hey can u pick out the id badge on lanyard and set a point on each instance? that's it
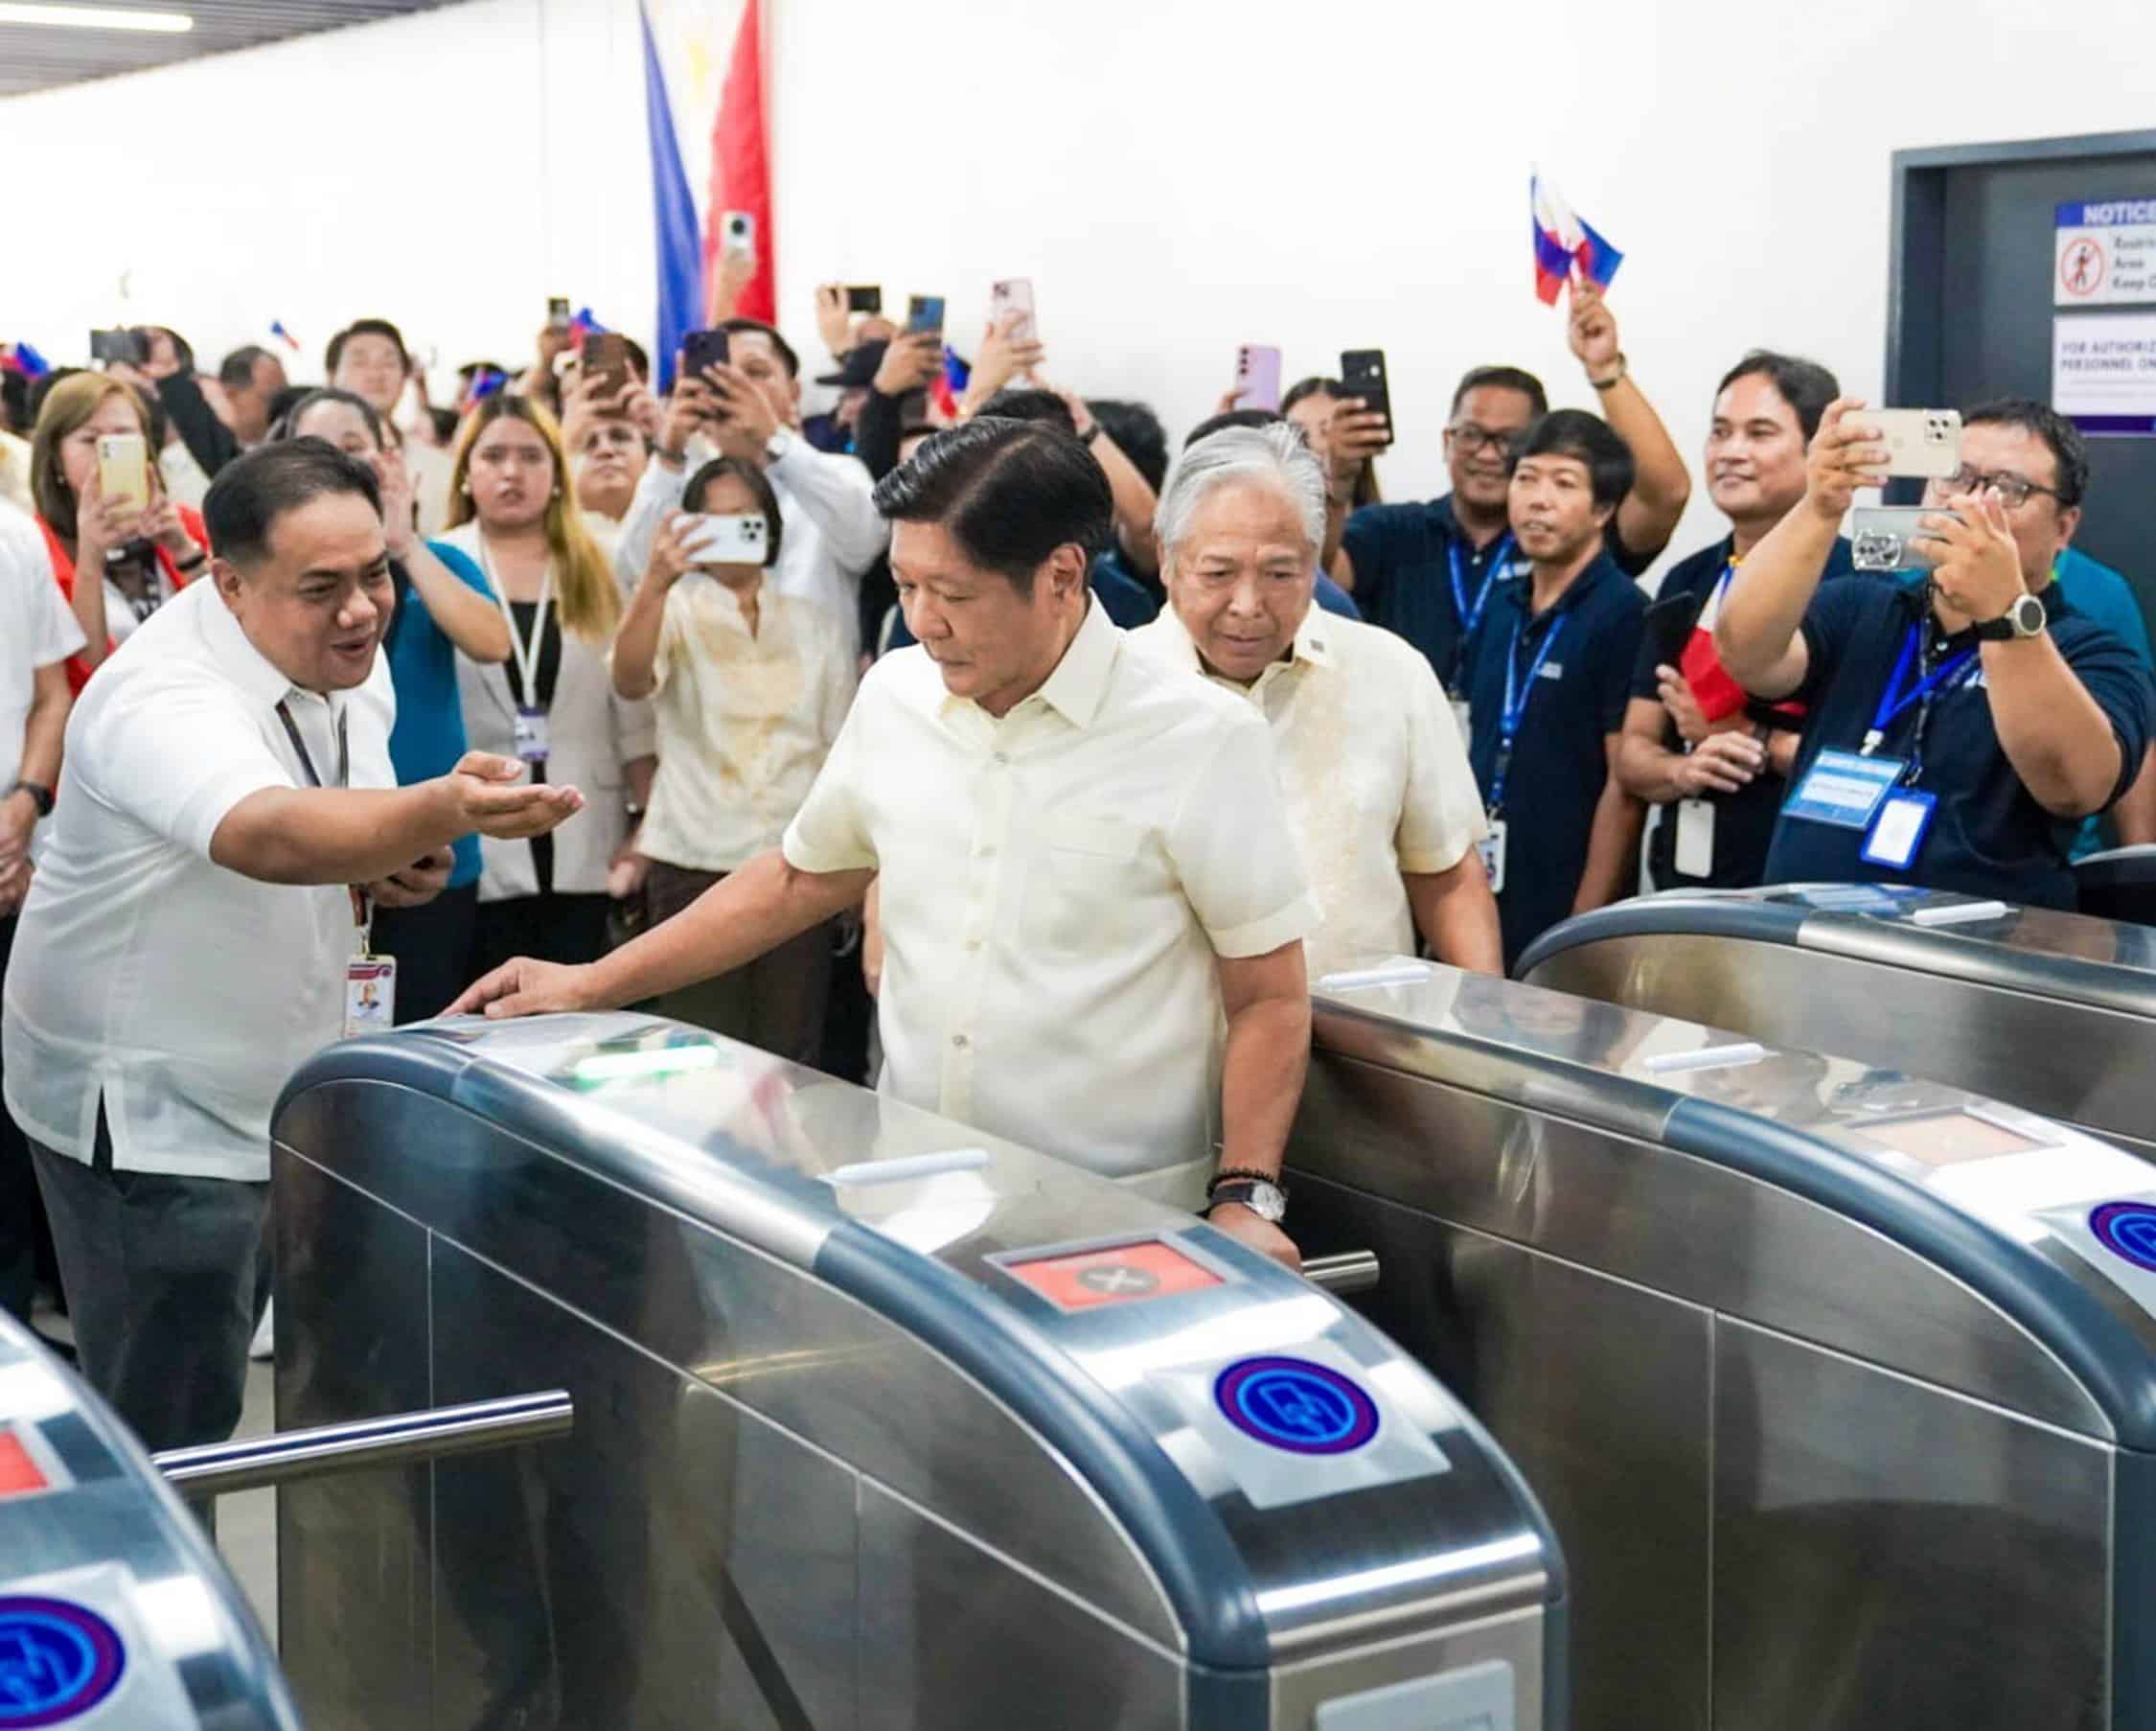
(531, 734)
(370, 982)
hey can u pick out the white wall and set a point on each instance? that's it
(450, 170)
(1176, 176)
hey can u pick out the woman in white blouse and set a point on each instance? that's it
(551, 702)
(751, 689)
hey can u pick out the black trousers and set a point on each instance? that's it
(164, 1285)
(26, 1240)
(550, 927)
(437, 951)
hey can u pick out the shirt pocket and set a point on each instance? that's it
(1086, 884)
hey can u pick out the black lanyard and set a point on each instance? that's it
(299, 745)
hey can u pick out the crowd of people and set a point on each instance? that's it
(967, 736)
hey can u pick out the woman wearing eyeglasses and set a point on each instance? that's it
(1965, 717)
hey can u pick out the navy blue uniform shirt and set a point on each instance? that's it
(1988, 836)
(1744, 821)
(1404, 579)
(1560, 759)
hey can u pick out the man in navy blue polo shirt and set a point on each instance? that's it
(1695, 743)
(1961, 723)
(1425, 570)
(1549, 669)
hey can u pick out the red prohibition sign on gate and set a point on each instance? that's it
(2080, 266)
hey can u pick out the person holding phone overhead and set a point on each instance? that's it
(552, 702)
(1426, 571)
(108, 515)
(750, 407)
(1964, 716)
(1716, 761)
(749, 688)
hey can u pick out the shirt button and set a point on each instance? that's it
(960, 1041)
(1002, 757)
(972, 943)
(988, 850)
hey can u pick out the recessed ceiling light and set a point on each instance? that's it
(97, 18)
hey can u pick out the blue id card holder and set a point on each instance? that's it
(1898, 831)
(1843, 789)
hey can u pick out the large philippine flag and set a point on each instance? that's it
(704, 105)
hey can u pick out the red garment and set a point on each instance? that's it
(1717, 695)
(79, 671)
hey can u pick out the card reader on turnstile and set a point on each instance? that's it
(881, 1422)
(115, 1614)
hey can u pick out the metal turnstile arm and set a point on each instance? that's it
(1350, 1271)
(398, 1439)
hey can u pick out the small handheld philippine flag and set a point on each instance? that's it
(1563, 243)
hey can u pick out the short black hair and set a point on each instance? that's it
(281, 405)
(1010, 492)
(281, 426)
(1573, 433)
(639, 359)
(1806, 386)
(237, 370)
(1318, 384)
(756, 326)
(2069, 449)
(1505, 379)
(1030, 403)
(751, 477)
(252, 491)
(1234, 417)
(1137, 434)
(365, 326)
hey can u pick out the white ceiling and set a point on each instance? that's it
(36, 57)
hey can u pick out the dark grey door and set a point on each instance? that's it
(1971, 307)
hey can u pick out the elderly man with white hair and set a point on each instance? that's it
(1379, 791)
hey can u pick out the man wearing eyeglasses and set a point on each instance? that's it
(1965, 718)
(1427, 570)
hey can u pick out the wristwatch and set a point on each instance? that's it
(1255, 1190)
(2026, 619)
(1090, 434)
(41, 795)
(778, 444)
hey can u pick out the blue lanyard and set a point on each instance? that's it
(1471, 616)
(1516, 696)
(1893, 701)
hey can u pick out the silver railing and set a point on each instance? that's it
(396, 1440)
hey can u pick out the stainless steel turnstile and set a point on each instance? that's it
(1840, 1387)
(2053, 1011)
(115, 1613)
(879, 1422)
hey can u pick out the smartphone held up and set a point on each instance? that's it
(1361, 374)
(1257, 377)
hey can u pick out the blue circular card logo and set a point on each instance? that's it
(57, 1660)
(1309, 1409)
(2128, 1230)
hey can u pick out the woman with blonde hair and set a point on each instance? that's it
(513, 509)
(135, 556)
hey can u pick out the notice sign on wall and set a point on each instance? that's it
(2106, 253)
(2103, 371)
